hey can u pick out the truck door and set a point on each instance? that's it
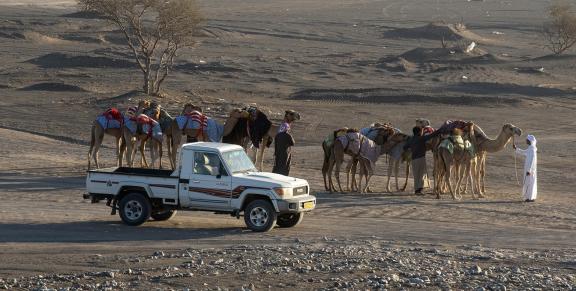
(209, 185)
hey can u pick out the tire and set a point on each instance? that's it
(163, 215)
(260, 216)
(135, 209)
(289, 219)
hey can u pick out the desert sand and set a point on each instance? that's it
(339, 63)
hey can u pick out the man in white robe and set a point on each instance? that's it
(530, 189)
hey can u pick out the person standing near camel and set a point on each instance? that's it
(417, 146)
(283, 143)
(529, 189)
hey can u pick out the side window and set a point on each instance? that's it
(208, 164)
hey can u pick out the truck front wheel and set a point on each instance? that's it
(260, 216)
(164, 215)
(134, 209)
(290, 219)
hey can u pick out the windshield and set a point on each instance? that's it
(238, 161)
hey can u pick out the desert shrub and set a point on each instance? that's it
(560, 31)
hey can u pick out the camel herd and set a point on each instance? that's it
(150, 124)
(459, 156)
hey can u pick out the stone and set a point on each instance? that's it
(475, 270)
(416, 281)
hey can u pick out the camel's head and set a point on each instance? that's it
(291, 115)
(131, 111)
(421, 122)
(383, 134)
(253, 111)
(239, 113)
(511, 129)
(143, 104)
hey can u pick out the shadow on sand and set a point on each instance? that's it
(107, 231)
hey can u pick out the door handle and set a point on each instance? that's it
(194, 181)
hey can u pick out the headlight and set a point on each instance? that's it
(282, 192)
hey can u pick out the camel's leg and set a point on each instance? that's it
(396, 172)
(95, 142)
(460, 173)
(331, 163)
(448, 176)
(481, 174)
(325, 171)
(368, 172)
(468, 177)
(133, 152)
(351, 169)
(118, 151)
(361, 174)
(92, 140)
(176, 140)
(338, 165)
(122, 151)
(169, 148)
(260, 153)
(390, 167)
(160, 155)
(349, 185)
(407, 175)
(129, 150)
(142, 149)
(474, 176)
(153, 151)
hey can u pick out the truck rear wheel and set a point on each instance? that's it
(289, 219)
(134, 209)
(164, 214)
(260, 216)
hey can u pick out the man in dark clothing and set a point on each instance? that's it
(417, 145)
(283, 143)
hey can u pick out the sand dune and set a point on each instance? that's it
(439, 31)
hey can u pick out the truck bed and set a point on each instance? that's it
(136, 171)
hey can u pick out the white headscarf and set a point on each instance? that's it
(532, 140)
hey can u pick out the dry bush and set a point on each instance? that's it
(154, 30)
(560, 31)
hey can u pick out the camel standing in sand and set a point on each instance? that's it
(397, 155)
(141, 136)
(458, 161)
(370, 151)
(327, 149)
(485, 145)
(97, 136)
(165, 119)
(176, 133)
(348, 144)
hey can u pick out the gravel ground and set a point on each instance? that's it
(328, 265)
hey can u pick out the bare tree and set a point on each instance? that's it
(154, 30)
(560, 31)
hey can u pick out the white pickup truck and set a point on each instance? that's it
(214, 177)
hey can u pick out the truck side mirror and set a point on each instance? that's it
(218, 176)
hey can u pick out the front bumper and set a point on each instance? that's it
(297, 204)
